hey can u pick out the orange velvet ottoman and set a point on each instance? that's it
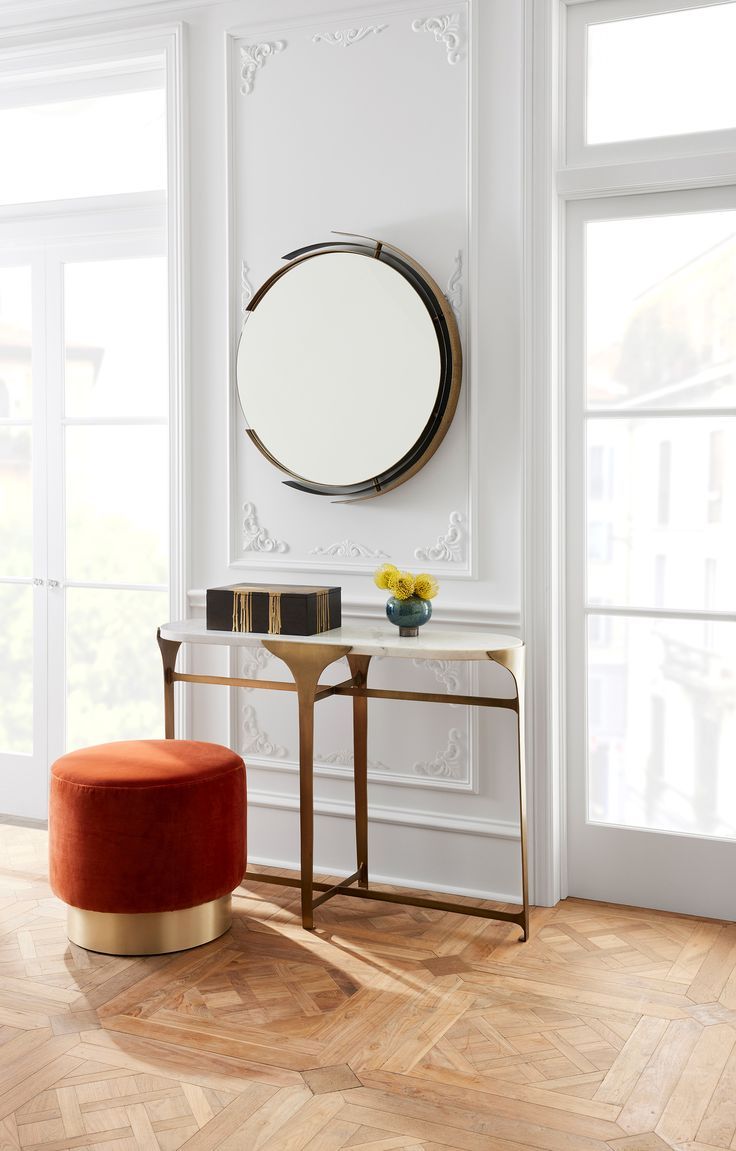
(147, 843)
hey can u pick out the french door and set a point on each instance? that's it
(651, 566)
(84, 500)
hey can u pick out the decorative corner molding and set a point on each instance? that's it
(345, 758)
(446, 30)
(348, 549)
(253, 740)
(445, 672)
(246, 290)
(253, 57)
(450, 547)
(454, 291)
(252, 660)
(347, 36)
(256, 538)
(448, 764)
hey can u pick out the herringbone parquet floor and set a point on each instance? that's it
(387, 1028)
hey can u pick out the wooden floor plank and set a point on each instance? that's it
(637, 1051)
(649, 1097)
(387, 1028)
(688, 1102)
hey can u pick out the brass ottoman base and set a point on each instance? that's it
(150, 933)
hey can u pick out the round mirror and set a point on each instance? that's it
(348, 368)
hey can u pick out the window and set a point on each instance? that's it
(716, 472)
(85, 405)
(651, 389)
(647, 80)
(655, 53)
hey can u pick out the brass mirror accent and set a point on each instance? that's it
(349, 368)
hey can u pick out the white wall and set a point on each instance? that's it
(416, 140)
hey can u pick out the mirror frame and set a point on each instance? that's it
(451, 364)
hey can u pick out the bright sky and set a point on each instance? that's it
(625, 257)
(91, 147)
(662, 75)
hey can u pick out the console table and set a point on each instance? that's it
(306, 658)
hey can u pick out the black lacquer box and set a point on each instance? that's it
(274, 609)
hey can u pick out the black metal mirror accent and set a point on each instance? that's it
(349, 368)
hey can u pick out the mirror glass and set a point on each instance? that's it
(343, 369)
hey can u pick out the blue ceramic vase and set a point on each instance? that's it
(408, 614)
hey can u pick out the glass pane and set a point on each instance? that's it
(661, 311)
(16, 669)
(661, 512)
(117, 496)
(116, 333)
(15, 343)
(93, 147)
(662, 724)
(661, 75)
(114, 678)
(16, 503)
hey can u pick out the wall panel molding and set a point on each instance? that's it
(345, 37)
(448, 31)
(450, 547)
(253, 57)
(349, 549)
(454, 289)
(452, 612)
(257, 538)
(344, 809)
(385, 45)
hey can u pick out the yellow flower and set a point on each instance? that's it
(402, 584)
(426, 586)
(384, 573)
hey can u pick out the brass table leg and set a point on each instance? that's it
(359, 669)
(513, 660)
(306, 662)
(169, 651)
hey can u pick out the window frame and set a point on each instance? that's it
(555, 175)
(26, 228)
(580, 14)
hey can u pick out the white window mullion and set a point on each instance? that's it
(56, 513)
(40, 519)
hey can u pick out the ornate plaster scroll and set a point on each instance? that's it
(448, 31)
(253, 740)
(344, 37)
(348, 549)
(450, 547)
(449, 763)
(454, 291)
(253, 57)
(256, 538)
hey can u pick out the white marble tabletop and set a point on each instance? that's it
(362, 639)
